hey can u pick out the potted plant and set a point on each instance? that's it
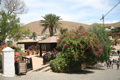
(32, 52)
(27, 52)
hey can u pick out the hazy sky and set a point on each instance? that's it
(81, 11)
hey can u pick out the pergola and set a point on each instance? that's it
(27, 43)
(48, 44)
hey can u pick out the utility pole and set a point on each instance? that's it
(103, 16)
(0, 2)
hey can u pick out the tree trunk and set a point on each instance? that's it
(51, 31)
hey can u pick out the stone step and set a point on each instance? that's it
(46, 69)
(42, 67)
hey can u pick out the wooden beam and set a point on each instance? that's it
(40, 50)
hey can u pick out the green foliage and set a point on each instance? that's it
(26, 32)
(10, 26)
(116, 39)
(81, 28)
(117, 29)
(59, 64)
(113, 52)
(79, 44)
(104, 40)
(34, 35)
(77, 47)
(17, 49)
(62, 30)
(43, 38)
(50, 21)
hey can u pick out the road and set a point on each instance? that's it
(101, 73)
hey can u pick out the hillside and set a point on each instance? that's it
(36, 26)
(117, 24)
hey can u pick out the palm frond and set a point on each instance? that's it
(44, 29)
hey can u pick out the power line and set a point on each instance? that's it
(103, 16)
(110, 10)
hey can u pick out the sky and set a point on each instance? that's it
(80, 11)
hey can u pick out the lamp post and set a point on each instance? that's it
(103, 16)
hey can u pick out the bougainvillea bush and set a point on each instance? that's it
(76, 47)
(19, 55)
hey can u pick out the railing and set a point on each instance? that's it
(28, 63)
(23, 66)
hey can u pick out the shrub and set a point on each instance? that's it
(81, 46)
(76, 47)
(59, 64)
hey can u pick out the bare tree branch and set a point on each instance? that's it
(15, 6)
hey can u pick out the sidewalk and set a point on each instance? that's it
(89, 74)
(37, 61)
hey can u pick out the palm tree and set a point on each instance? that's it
(81, 28)
(50, 21)
(34, 35)
(63, 30)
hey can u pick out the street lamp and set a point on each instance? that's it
(103, 16)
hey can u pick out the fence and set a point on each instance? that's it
(28, 62)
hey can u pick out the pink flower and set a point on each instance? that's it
(18, 59)
(3, 46)
(82, 32)
(96, 41)
(89, 39)
(101, 49)
(74, 31)
(70, 37)
(97, 52)
(65, 45)
(44, 54)
(58, 39)
(93, 50)
(100, 46)
(17, 54)
(80, 46)
(75, 36)
(88, 45)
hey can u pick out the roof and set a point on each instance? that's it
(52, 39)
(27, 41)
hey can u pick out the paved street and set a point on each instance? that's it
(88, 74)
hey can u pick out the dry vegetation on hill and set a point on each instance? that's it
(36, 26)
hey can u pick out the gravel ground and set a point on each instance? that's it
(88, 74)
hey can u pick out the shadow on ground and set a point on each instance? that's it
(98, 68)
(81, 72)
